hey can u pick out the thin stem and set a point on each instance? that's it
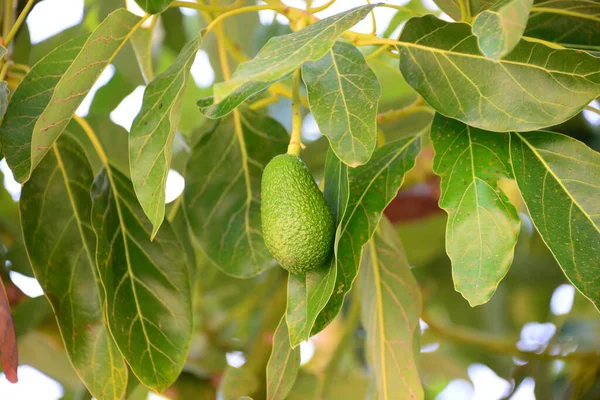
(496, 345)
(94, 139)
(592, 109)
(544, 42)
(377, 52)
(206, 8)
(565, 12)
(15, 28)
(314, 10)
(393, 115)
(9, 15)
(4, 70)
(264, 102)
(282, 90)
(22, 67)
(295, 143)
(231, 13)
(373, 20)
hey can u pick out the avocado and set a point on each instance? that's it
(297, 223)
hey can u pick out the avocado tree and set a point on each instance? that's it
(404, 203)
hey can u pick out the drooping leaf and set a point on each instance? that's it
(55, 215)
(283, 365)
(390, 309)
(153, 131)
(141, 42)
(222, 193)
(34, 91)
(483, 225)
(534, 86)
(278, 58)
(153, 6)
(148, 300)
(500, 28)
(9, 354)
(343, 94)
(571, 23)
(559, 180)
(309, 293)
(38, 117)
(372, 187)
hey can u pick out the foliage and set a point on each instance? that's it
(462, 178)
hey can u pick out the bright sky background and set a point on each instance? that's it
(49, 17)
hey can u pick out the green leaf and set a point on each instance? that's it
(500, 28)
(3, 98)
(452, 7)
(390, 309)
(483, 225)
(534, 86)
(222, 193)
(571, 23)
(343, 94)
(280, 57)
(55, 213)
(23, 112)
(372, 187)
(153, 6)
(559, 180)
(153, 131)
(283, 365)
(141, 42)
(38, 119)
(309, 293)
(148, 300)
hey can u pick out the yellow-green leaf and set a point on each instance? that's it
(55, 214)
(559, 179)
(343, 94)
(283, 365)
(153, 131)
(483, 226)
(222, 193)
(500, 28)
(43, 123)
(148, 300)
(390, 309)
(278, 58)
(533, 87)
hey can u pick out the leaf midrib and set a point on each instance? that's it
(557, 179)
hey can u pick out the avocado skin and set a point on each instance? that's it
(297, 223)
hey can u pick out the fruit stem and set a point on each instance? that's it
(295, 143)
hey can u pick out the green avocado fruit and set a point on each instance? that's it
(297, 223)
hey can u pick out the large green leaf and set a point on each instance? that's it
(153, 6)
(38, 119)
(571, 23)
(343, 94)
(55, 215)
(309, 293)
(153, 131)
(534, 86)
(559, 180)
(390, 303)
(222, 193)
(33, 92)
(372, 187)
(500, 28)
(148, 300)
(483, 225)
(283, 365)
(278, 58)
